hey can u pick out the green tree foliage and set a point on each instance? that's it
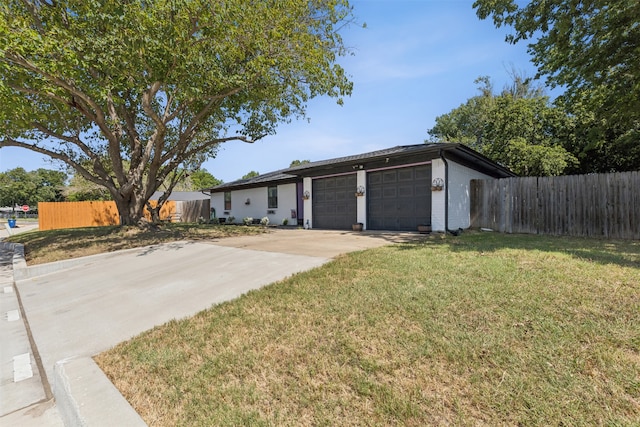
(592, 50)
(517, 128)
(16, 187)
(133, 94)
(19, 187)
(251, 174)
(81, 190)
(590, 47)
(202, 179)
(599, 146)
(295, 163)
(49, 185)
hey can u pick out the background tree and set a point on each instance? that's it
(592, 50)
(197, 180)
(249, 175)
(80, 190)
(202, 179)
(16, 187)
(517, 128)
(19, 187)
(49, 185)
(131, 94)
(295, 163)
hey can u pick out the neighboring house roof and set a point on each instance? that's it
(182, 196)
(398, 155)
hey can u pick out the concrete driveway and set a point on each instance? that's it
(76, 310)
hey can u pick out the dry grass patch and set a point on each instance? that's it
(475, 330)
(55, 245)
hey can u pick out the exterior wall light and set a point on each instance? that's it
(437, 184)
(360, 191)
(306, 195)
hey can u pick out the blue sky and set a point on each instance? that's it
(414, 61)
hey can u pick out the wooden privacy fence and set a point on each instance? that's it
(597, 205)
(56, 215)
(193, 210)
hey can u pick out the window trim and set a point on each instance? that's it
(227, 200)
(272, 201)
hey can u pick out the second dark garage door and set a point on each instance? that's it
(399, 199)
(334, 202)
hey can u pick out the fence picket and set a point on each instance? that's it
(57, 215)
(595, 205)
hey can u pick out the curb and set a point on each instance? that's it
(86, 397)
(21, 271)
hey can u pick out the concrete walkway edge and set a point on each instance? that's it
(86, 397)
(21, 271)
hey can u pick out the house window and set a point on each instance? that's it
(227, 200)
(272, 194)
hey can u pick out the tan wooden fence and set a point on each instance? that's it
(57, 215)
(596, 205)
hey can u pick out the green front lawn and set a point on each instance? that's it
(482, 329)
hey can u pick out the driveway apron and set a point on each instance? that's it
(89, 309)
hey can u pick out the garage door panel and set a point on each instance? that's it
(389, 192)
(422, 187)
(374, 193)
(389, 177)
(405, 175)
(334, 202)
(399, 199)
(422, 173)
(405, 191)
(374, 179)
(422, 206)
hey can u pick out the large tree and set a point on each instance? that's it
(590, 48)
(517, 128)
(131, 94)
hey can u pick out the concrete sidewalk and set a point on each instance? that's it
(78, 309)
(25, 396)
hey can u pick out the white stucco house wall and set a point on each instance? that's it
(249, 198)
(397, 188)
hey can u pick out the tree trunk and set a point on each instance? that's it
(154, 211)
(130, 210)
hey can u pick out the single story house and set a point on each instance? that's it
(397, 188)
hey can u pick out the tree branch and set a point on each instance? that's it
(98, 118)
(10, 142)
(204, 111)
(114, 148)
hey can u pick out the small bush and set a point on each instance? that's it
(247, 220)
(264, 221)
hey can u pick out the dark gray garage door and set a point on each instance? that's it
(399, 199)
(334, 202)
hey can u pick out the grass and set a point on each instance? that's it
(481, 329)
(55, 245)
